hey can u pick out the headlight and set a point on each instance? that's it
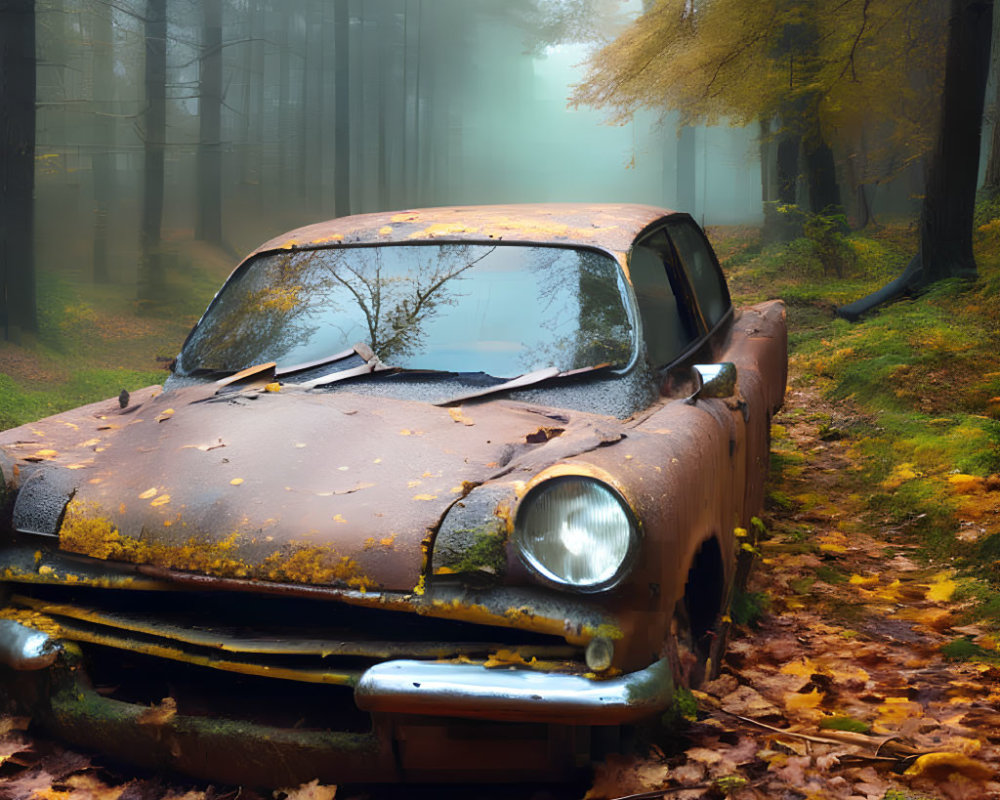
(577, 532)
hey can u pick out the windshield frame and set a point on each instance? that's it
(626, 292)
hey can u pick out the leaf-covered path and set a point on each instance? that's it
(842, 691)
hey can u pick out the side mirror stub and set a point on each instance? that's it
(713, 380)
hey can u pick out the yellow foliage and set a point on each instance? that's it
(901, 473)
(825, 65)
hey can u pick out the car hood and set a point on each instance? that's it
(295, 486)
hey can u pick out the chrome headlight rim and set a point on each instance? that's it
(547, 576)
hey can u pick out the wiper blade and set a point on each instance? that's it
(372, 364)
(227, 377)
(358, 349)
(522, 382)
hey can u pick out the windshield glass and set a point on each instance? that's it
(499, 309)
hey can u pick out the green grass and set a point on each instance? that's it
(95, 340)
(19, 405)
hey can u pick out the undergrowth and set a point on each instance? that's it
(919, 381)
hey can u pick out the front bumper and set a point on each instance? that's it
(472, 691)
(541, 719)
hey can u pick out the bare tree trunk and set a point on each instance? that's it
(208, 227)
(17, 167)
(686, 172)
(311, 164)
(152, 280)
(342, 126)
(103, 160)
(821, 174)
(991, 182)
(952, 173)
(284, 107)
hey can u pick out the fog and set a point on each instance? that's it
(432, 102)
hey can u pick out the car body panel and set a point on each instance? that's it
(610, 227)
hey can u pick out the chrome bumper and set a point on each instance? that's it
(467, 690)
(443, 689)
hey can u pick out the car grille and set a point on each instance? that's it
(293, 639)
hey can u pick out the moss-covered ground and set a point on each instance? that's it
(913, 391)
(94, 339)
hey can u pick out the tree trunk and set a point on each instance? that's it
(687, 194)
(342, 126)
(152, 280)
(952, 173)
(991, 182)
(103, 160)
(284, 110)
(17, 167)
(821, 175)
(311, 164)
(208, 227)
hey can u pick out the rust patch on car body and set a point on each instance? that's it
(610, 227)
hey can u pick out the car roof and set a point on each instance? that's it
(610, 227)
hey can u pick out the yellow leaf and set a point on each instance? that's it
(162, 500)
(148, 493)
(236, 481)
(859, 580)
(942, 588)
(796, 700)
(940, 766)
(803, 668)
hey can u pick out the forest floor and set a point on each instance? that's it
(865, 660)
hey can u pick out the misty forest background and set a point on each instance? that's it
(167, 138)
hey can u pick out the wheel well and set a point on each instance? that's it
(703, 592)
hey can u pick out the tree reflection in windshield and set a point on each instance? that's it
(499, 309)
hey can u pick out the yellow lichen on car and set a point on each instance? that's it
(87, 532)
(315, 565)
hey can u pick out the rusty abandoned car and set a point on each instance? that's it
(434, 494)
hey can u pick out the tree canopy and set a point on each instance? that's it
(816, 69)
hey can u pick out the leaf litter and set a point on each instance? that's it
(842, 690)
